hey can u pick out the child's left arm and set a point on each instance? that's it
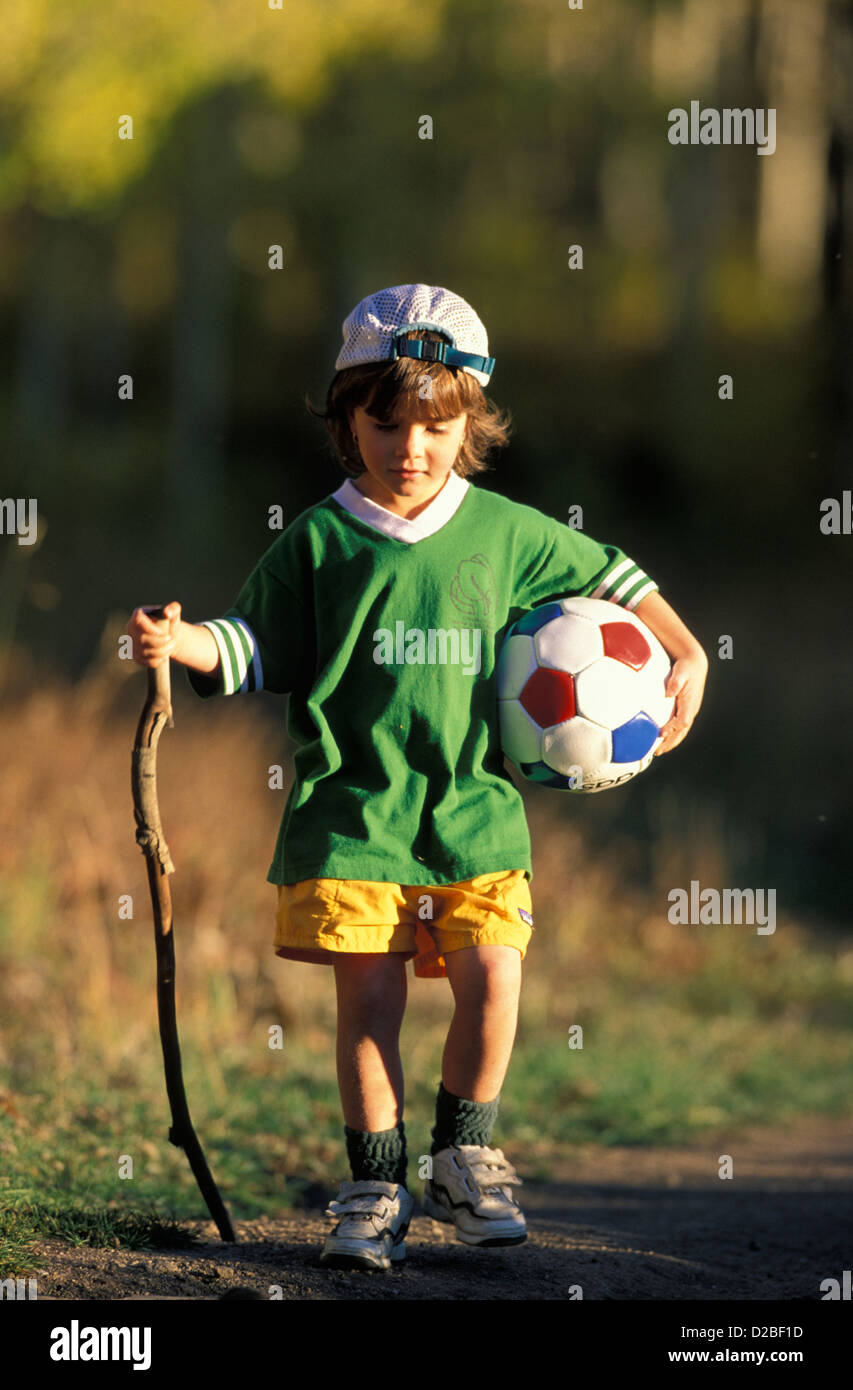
(689, 671)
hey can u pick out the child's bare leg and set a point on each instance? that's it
(371, 992)
(486, 984)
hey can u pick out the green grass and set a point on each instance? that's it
(24, 1219)
(657, 1078)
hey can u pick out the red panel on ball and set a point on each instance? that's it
(623, 642)
(549, 697)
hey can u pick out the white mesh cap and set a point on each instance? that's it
(371, 330)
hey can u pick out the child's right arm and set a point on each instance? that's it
(189, 643)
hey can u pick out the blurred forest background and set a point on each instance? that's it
(254, 127)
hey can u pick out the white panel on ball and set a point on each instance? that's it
(568, 644)
(608, 693)
(576, 743)
(517, 664)
(658, 707)
(599, 610)
(658, 666)
(521, 736)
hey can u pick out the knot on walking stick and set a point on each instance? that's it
(151, 843)
(149, 830)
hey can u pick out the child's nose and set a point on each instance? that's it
(412, 440)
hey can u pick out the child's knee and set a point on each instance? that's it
(484, 973)
(370, 981)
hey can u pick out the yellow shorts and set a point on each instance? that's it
(319, 917)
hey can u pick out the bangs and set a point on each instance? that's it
(399, 388)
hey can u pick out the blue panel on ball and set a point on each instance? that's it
(633, 740)
(531, 622)
(546, 776)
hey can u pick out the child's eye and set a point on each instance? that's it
(385, 429)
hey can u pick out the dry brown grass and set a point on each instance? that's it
(82, 977)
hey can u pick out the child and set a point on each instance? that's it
(381, 610)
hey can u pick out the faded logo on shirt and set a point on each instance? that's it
(473, 589)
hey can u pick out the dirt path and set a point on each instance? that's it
(622, 1223)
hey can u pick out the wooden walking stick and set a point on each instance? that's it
(156, 712)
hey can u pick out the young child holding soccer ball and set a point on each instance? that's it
(381, 610)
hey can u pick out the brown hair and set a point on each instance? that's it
(381, 386)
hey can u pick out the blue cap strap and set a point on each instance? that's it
(441, 352)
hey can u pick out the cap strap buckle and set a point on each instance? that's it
(429, 351)
(421, 348)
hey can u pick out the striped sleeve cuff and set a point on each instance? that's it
(625, 584)
(241, 670)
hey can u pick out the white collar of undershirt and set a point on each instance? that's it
(431, 519)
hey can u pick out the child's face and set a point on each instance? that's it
(407, 461)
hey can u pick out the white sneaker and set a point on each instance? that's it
(471, 1186)
(374, 1219)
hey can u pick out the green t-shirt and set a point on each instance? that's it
(385, 632)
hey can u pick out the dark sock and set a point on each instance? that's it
(380, 1154)
(460, 1121)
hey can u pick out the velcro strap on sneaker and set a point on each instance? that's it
(361, 1204)
(490, 1173)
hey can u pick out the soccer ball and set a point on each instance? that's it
(581, 694)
